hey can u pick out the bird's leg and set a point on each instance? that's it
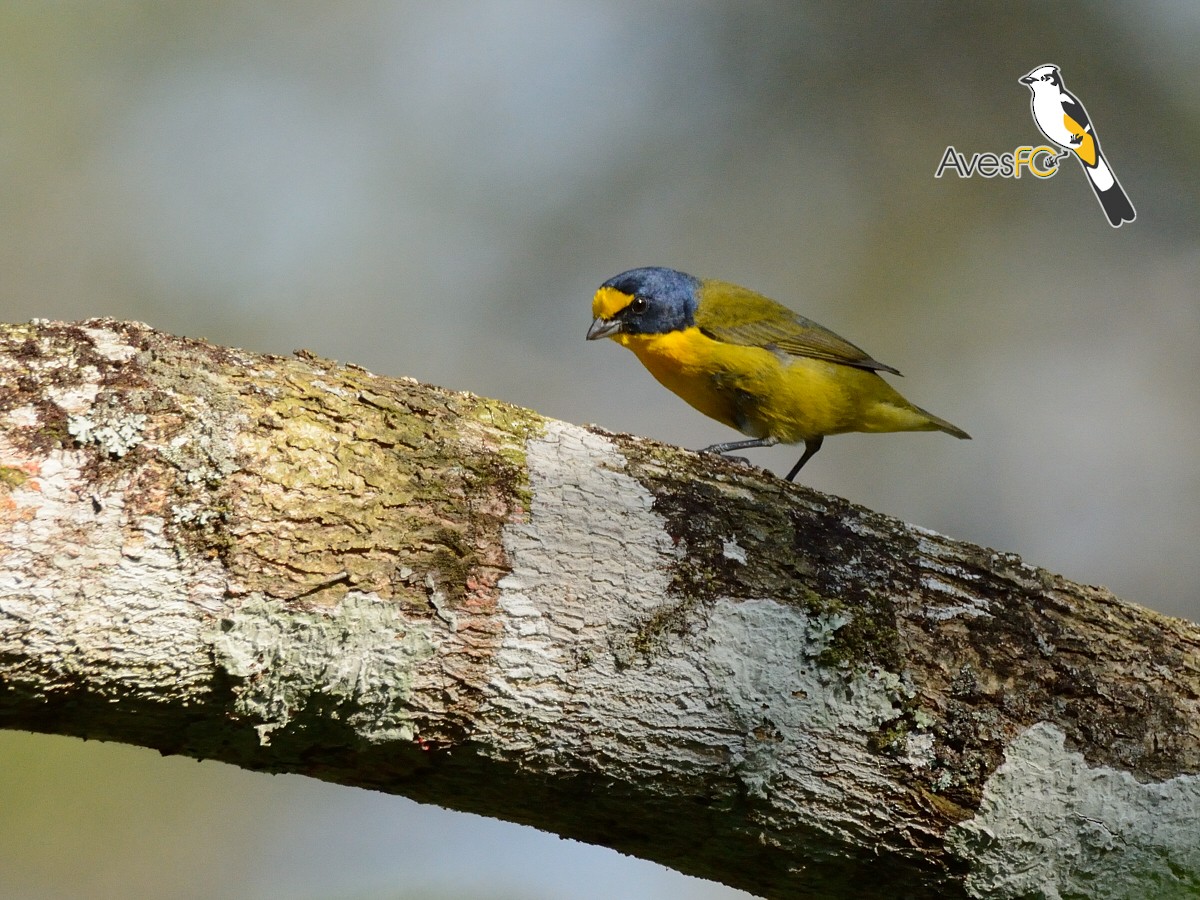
(729, 446)
(741, 445)
(810, 450)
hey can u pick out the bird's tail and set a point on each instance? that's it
(1112, 197)
(936, 423)
(897, 414)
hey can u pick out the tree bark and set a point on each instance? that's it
(297, 566)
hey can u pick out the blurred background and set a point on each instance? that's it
(436, 189)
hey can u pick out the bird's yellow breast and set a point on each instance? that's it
(1086, 148)
(698, 369)
(765, 394)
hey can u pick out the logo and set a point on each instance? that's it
(1063, 120)
(1004, 165)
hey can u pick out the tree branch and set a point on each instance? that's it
(292, 565)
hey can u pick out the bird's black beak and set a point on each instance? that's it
(603, 328)
(1028, 79)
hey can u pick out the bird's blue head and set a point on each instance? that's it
(652, 300)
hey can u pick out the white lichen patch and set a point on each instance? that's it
(330, 388)
(731, 549)
(284, 659)
(92, 590)
(947, 601)
(620, 668)
(918, 750)
(110, 345)
(23, 417)
(94, 581)
(759, 658)
(589, 516)
(1052, 826)
(439, 602)
(77, 398)
(946, 582)
(115, 435)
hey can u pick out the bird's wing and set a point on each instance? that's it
(1073, 108)
(1076, 120)
(735, 315)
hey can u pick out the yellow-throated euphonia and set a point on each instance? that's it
(751, 363)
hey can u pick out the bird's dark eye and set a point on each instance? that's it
(638, 305)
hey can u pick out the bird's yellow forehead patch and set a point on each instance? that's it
(608, 302)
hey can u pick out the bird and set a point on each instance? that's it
(751, 363)
(1063, 120)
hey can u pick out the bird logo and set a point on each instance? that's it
(1064, 121)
